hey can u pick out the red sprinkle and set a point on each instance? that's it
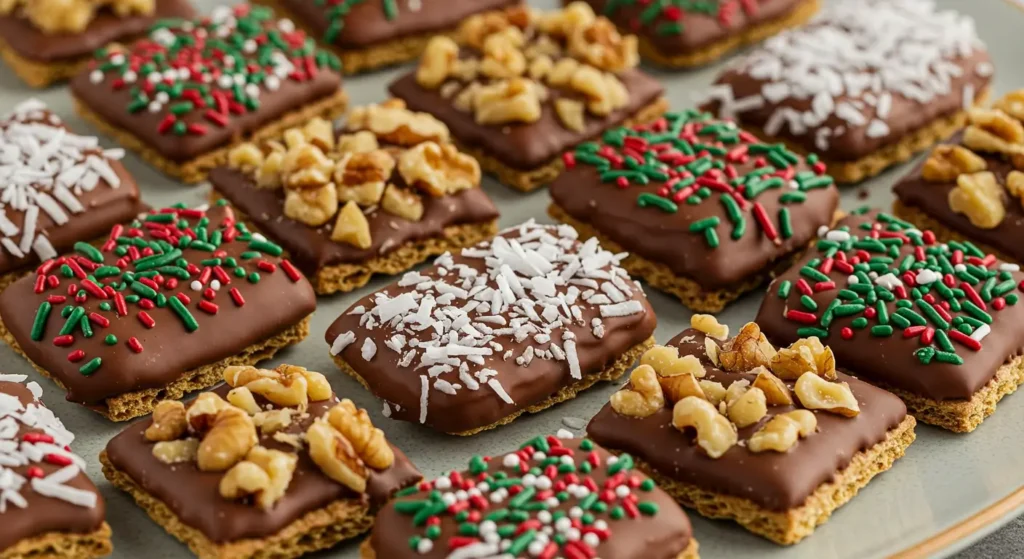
(99, 319)
(236, 296)
(208, 307)
(964, 339)
(802, 316)
(57, 459)
(76, 356)
(846, 333)
(135, 344)
(290, 270)
(145, 319)
(64, 341)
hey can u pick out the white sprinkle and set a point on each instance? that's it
(982, 331)
(368, 350)
(424, 395)
(574, 362)
(564, 434)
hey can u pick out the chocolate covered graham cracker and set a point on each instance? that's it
(271, 465)
(387, 193)
(935, 323)
(48, 506)
(157, 311)
(706, 211)
(192, 89)
(970, 188)
(526, 86)
(553, 497)
(515, 324)
(775, 440)
(370, 34)
(47, 41)
(58, 189)
(689, 33)
(865, 85)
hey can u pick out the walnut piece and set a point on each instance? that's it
(992, 130)
(806, 419)
(60, 16)
(507, 101)
(749, 349)
(642, 397)
(749, 408)
(333, 453)
(1015, 185)
(352, 228)
(320, 133)
(571, 113)
(713, 391)
(368, 442)
(806, 354)
(666, 362)
(318, 388)
(305, 166)
(272, 421)
(312, 206)
(393, 123)
(402, 202)
(264, 475)
(176, 452)
(710, 326)
(604, 92)
(779, 434)
(268, 174)
(560, 24)
(678, 387)
(503, 58)
(361, 177)
(242, 397)
(229, 439)
(246, 157)
(980, 197)
(816, 393)
(169, 422)
(715, 433)
(947, 162)
(475, 29)
(601, 45)
(291, 390)
(1012, 104)
(203, 412)
(775, 391)
(438, 169)
(437, 62)
(360, 142)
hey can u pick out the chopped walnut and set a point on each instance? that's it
(305, 158)
(980, 197)
(438, 169)
(333, 453)
(601, 45)
(289, 390)
(947, 162)
(776, 392)
(360, 142)
(667, 363)
(1015, 185)
(475, 29)
(992, 130)
(539, 67)
(246, 157)
(230, 437)
(805, 355)
(816, 393)
(506, 101)
(571, 113)
(268, 174)
(503, 58)
(710, 326)
(713, 391)
(176, 452)
(402, 202)
(242, 397)
(361, 177)
(779, 434)
(352, 228)
(169, 422)
(715, 433)
(393, 123)
(749, 408)
(604, 92)
(314, 207)
(749, 349)
(1012, 104)
(437, 62)
(642, 397)
(367, 441)
(320, 133)
(265, 475)
(272, 421)
(562, 71)
(562, 23)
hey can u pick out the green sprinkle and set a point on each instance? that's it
(91, 367)
(39, 324)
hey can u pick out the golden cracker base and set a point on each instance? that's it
(612, 372)
(141, 402)
(316, 530)
(41, 74)
(366, 550)
(63, 545)
(944, 234)
(194, 170)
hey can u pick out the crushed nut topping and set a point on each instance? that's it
(980, 197)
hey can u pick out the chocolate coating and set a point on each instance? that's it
(30, 42)
(312, 248)
(773, 480)
(43, 515)
(193, 495)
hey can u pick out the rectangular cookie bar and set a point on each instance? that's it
(866, 85)
(706, 210)
(192, 89)
(522, 87)
(515, 324)
(48, 506)
(270, 465)
(553, 497)
(369, 35)
(158, 311)
(58, 189)
(386, 194)
(686, 34)
(775, 440)
(48, 41)
(970, 187)
(937, 324)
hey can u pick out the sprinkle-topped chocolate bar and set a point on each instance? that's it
(140, 296)
(945, 313)
(554, 497)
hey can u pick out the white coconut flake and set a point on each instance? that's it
(343, 340)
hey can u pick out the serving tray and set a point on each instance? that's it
(949, 490)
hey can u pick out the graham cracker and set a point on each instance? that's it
(141, 402)
(39, 74)
(615, 370)
(867, 166)
(194, 170)
(366, 550)
(657, 275)
(380, 55)
(718, 49)
(788, 527)
(316, 530)
(532, 179)
(944, 234)
(63, 545)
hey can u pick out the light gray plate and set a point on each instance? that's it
(944, 479)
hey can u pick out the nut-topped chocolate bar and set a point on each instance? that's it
(189, 91)
(867, 84)
(936, 323)
(553, 497)
(706, 210)
(521, 87)
(515, 324)
(775, 439)
(273, 464)
(158, 310)
(387, 193)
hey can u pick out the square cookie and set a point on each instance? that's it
(706, 211)
(386, 194)
(775, 440)
(183, 96)
(867, 84)
(158, 311)
(58, 189)
(270, 465)
(368, 35)
(526, 86)
(553, 497)
(47, 41)
(937, 324)
(518, 323)
(970, 188)
(686, 34)
(49, 506)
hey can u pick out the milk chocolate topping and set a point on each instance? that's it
(193, 495)
(773, 480)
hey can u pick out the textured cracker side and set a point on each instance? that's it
(366, 550)
(532, 179)
(194, 170)
(790, 526)
(41, 74)
(316, 530)
(719, 49)
(139, 403)
(944, 234)
(617, 368)
(62, 545)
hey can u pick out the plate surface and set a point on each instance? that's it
(948, 491)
